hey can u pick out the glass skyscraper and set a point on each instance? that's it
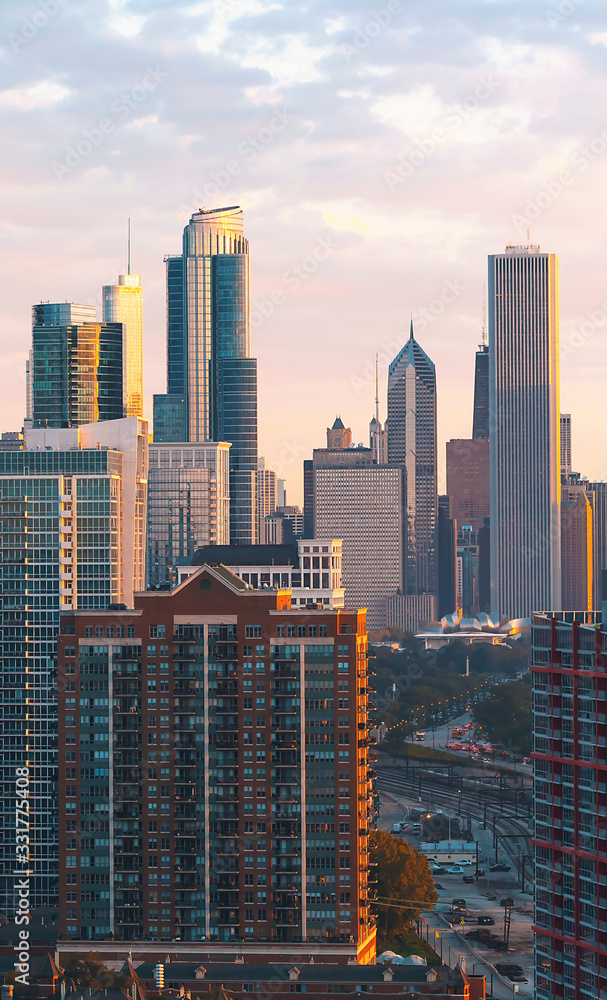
(212, 378)
(122, 303)
(76, 370)
(524, 443)
(412, 444)
(72, 521)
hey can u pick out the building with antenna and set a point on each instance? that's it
(123, 303)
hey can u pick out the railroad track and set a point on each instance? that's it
(513, 831)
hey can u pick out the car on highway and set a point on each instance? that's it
(455, 870)
(468, 879)
(499, 868)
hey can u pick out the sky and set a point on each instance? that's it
(380, 151)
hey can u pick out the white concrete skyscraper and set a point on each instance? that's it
(412, 445)
(524, 432)
(122, 303)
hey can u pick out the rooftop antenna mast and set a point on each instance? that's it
(377, 409)
(484, 329)
(129, 254)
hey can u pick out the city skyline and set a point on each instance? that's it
(515, 101)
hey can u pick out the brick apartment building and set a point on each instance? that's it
(214, 772)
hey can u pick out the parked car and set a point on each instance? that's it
(456, 870)
(468, 879)
(437, 885)
(499, 868)
(459, 902)
(467, 863)
(439, 870)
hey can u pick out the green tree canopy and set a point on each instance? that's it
(404, 883)
(90, 971)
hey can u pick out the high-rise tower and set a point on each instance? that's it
(212, 378)
(412, 445)
(524, 441)
(75, 371)
(480, 419)
(122, 303)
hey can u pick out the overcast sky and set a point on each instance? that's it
(380, 152)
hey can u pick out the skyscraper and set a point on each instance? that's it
(72, 529)
(188, 504)
(212, 379)
(524, 441)
(76, 374)
(122, 303)
(566, 466)
(412, 445)
(480, 418)
(570, 836)
(215, 842)
(576, 549)
(468, 480)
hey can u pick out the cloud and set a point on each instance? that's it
(368, 87)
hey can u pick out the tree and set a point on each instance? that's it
(90, 971)
(506, 716)
(403, 877)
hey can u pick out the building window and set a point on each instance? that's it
(158, 631)
(253, 632)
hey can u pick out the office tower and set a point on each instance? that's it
(188, 504)
(480, 418)
(576, 549)
(468, 480)
(281, 493)
(122, 303)
(75, 374)
(240, 818)
(341, 456)
(12, 441)
(212, 379)
(570, 758)
(483, 537)
(409, 612)
(285, 525)
(468, 571)
(339, 436)
(412, 445)
(566, 466)
(524, 444)
(597, 495)
(447, 559)
(72, 519)
(364, 506)
(378, 440)
(310, 568)
(266, 492)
